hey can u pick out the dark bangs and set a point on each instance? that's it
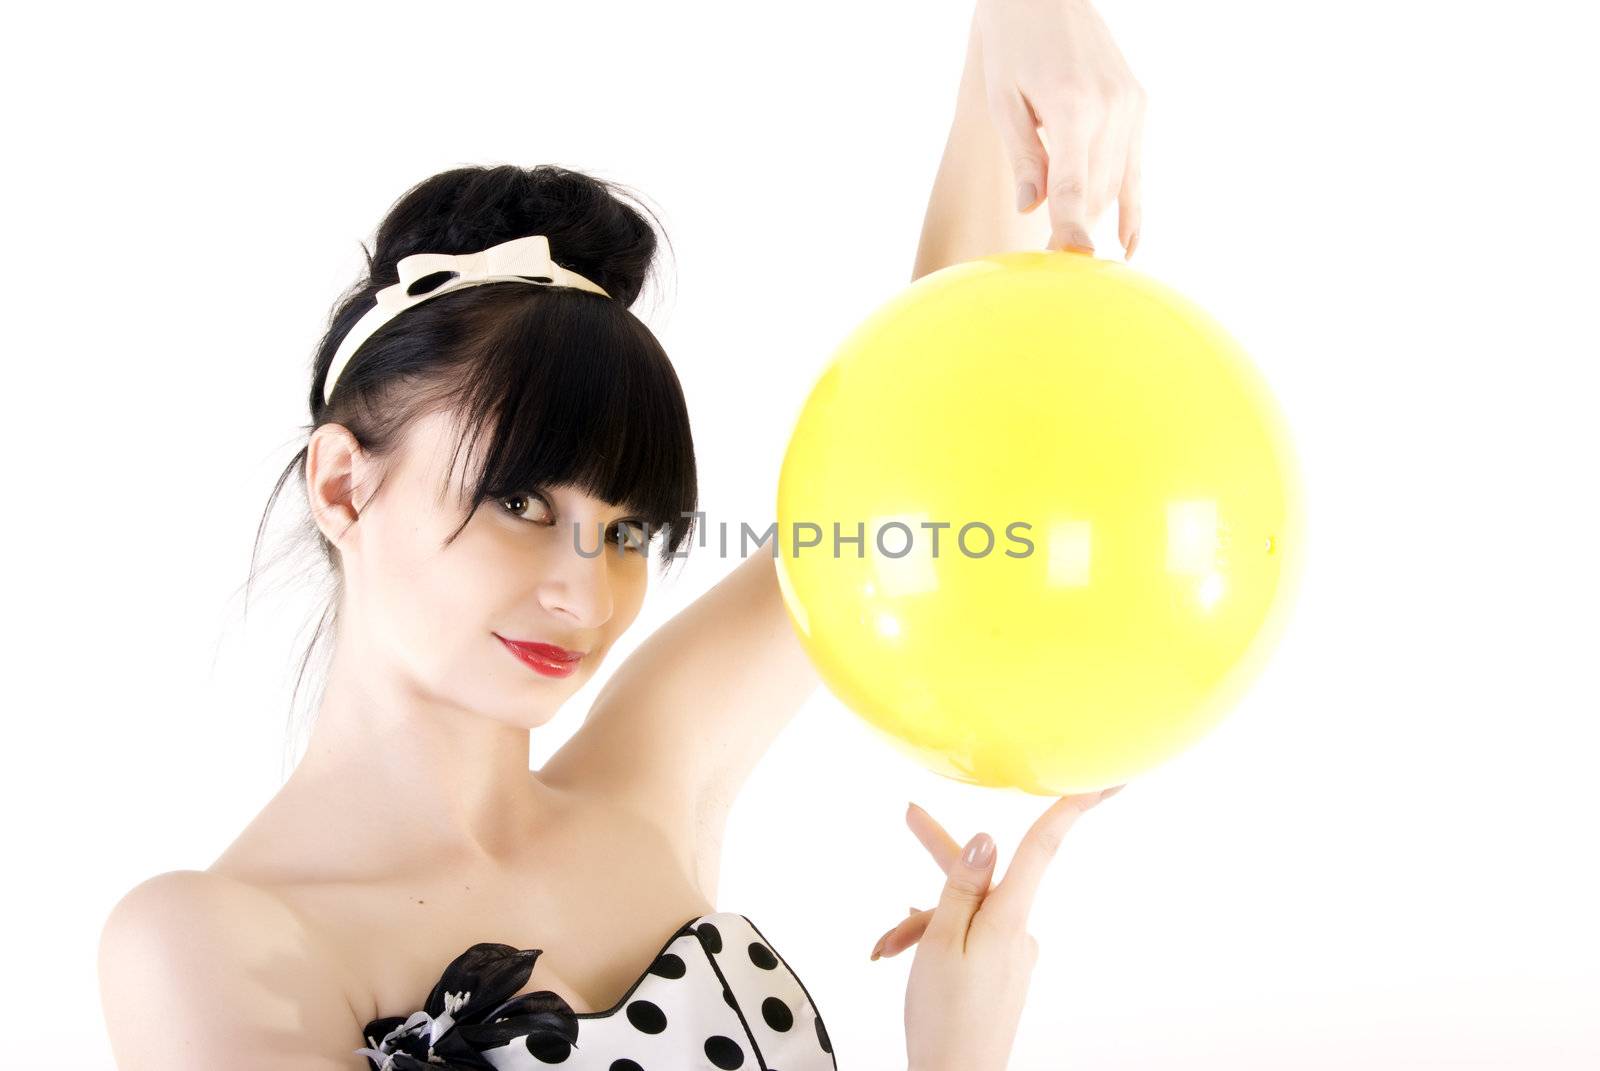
(564, 388)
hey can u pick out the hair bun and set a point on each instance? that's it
(591, 230)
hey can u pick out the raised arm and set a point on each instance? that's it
(680, 725)
(972, 210)
(1047, 135)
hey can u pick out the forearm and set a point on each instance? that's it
(972, 210)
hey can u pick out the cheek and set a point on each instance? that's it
(432, 605)
(629, 588)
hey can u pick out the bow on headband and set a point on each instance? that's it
(520, 260)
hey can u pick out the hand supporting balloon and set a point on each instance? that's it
(1053, 63)
(945, 851)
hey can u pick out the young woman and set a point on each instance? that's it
(483, 461)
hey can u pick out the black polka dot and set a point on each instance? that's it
(668, 965)
(647, 1017)
(711, 936)
(762, 956)
(822, 1036)
(727, 995)
(724, 1052)
(777, 1014)
(624, 1065)
(547, 1049)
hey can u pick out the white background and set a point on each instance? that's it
(1384, 859)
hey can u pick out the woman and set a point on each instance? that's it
(414, 896)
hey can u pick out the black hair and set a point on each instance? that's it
(566, 387)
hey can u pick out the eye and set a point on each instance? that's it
(633, 535)
(526, 499)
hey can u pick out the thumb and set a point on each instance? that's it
(1019, 136)
(966, 884)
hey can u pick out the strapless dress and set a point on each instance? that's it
(716, 996)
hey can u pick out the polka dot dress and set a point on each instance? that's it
(717, 997)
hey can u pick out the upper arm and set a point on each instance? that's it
(680, 724)
(200, 971)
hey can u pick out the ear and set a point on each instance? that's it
(334, 469)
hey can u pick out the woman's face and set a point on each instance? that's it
(433, 614)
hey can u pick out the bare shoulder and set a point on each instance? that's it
(201, 970)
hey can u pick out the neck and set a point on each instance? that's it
(402, 766)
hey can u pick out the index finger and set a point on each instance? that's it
(1009, 902)
(941, 845)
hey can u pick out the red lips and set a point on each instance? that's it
(546, 658)
(546, 650)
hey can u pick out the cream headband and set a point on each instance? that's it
(521, 260)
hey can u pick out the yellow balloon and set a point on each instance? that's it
(1078, 516)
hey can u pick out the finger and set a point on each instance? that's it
(907, 933)
(1008, 905)
(1018, 128)
(1069, 129)
(1108, 162)
(1130, 198)
(941, 845)
(964, 889)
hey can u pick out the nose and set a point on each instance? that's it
(577, 586)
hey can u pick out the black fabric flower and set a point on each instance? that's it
(470, 1010)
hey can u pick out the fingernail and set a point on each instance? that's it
(1133, 240)
(979, 851)
(877, 949)
(1027, 193)
(1077, 240)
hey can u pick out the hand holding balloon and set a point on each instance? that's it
(970, 977)
(1054, 64)
(946, 852)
